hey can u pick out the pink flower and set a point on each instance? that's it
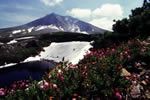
(23, 84)
(113, 50)
(112, 90)
(121, 54)
(85, 67)
(134, 82)
(76, 66)
(41, 87)
(126, 52)
(62, 78)
(2, 89)
(143, 50)
(12, 91)
(75, 94)
(26, 85)
(94, 62)
(134, 76)
(138, 76)
(119, 97)
(147, 76)
(54, 86)
(59, 72)
(72, 67)
(129, 42)
(2, 93)
(27, 81)
(127, 78)
(74, 99)
(46, 84)
(129, 56)
(14, 86)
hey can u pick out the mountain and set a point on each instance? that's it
(53, 23)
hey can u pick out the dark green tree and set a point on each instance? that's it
(137, 24)
(121, 26)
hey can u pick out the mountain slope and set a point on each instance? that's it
(65, 23)
(53, 23)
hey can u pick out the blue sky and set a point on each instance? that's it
(97, 12)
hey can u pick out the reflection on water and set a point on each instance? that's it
(23, 71)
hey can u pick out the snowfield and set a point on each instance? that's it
(17, 39)
(12, 42)
(67, 51)
(38, 28)
(8, 65)
(24, 38)
(30, 29)
(16, 31)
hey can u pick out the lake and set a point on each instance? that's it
(24, 71)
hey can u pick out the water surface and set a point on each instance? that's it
(24, 71)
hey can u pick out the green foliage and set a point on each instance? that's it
(107, 39)
(15, 53)
(138, 23)
(121, 26)
(65, 36)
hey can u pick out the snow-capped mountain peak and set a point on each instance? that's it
(55, 23)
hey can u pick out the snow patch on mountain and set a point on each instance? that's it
(69, 51)
(16, 31)
(75, 28)
(23, 30)
(30, 29)
(19, 31)
(12, 42)
(24, 38)
(84, 32)
(38, 28)
(60, 28)
(66, 18)
(8, 65)
(17, 39)
(53, 27)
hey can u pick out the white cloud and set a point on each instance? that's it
(101, 17)
(109, 10)
(80, 13)
(51, 2)
(104, 23)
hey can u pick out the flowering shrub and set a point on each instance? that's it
(19, 85)
(99, 75)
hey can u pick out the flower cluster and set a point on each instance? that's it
(21, 85)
